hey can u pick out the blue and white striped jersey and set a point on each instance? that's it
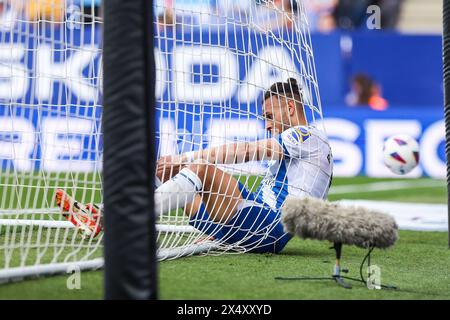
(305, 170)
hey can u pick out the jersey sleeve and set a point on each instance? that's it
(294, 141)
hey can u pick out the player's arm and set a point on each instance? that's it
(289, 144)
(240, 152)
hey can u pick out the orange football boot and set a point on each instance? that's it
(84, 217)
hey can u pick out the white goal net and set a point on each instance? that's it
(50, 133)
(214, 61)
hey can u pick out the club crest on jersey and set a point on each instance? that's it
(298, 135)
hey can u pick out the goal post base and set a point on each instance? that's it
(21, 273)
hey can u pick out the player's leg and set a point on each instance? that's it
(193, 207)
(200, 219)
(219, 191)
(256, 229)
(217, 211)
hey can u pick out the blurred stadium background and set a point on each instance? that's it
(369, 79)
(375, 81)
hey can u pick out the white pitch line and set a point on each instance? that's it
(409, 216)
(386, 186)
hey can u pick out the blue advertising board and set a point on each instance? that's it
(51, 99)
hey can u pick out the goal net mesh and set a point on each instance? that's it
(50, 132)
(214, 59)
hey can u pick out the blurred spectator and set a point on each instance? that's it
(90, 9)
(351, 14)
(159, 6)
(390, 12)
(8, 14)
(237, 10)
(320, 14)
(273, 15)
(166, 21)
(366, 92)
(191, 13)
(262, 15)
(49, 10)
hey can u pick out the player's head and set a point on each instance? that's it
(283, 106)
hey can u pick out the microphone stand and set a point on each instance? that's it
(337, 267)
(367, 257)
(337, 277)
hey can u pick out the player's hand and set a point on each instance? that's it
(168, 166)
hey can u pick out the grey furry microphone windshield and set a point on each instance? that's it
(311, 218)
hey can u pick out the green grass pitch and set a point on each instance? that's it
(419, 265)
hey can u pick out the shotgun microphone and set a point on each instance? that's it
(311, 218)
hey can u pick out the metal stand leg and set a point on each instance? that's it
(337, 277)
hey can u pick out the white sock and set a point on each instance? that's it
(157, 182)
(177, 192)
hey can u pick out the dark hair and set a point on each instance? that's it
(289, 89)
(366, 85)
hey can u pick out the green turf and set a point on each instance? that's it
(419, 264)
(435, 194)
(25, 190)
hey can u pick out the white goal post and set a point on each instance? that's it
(214, 59)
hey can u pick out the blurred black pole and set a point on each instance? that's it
(128, 169)
(446, 51)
